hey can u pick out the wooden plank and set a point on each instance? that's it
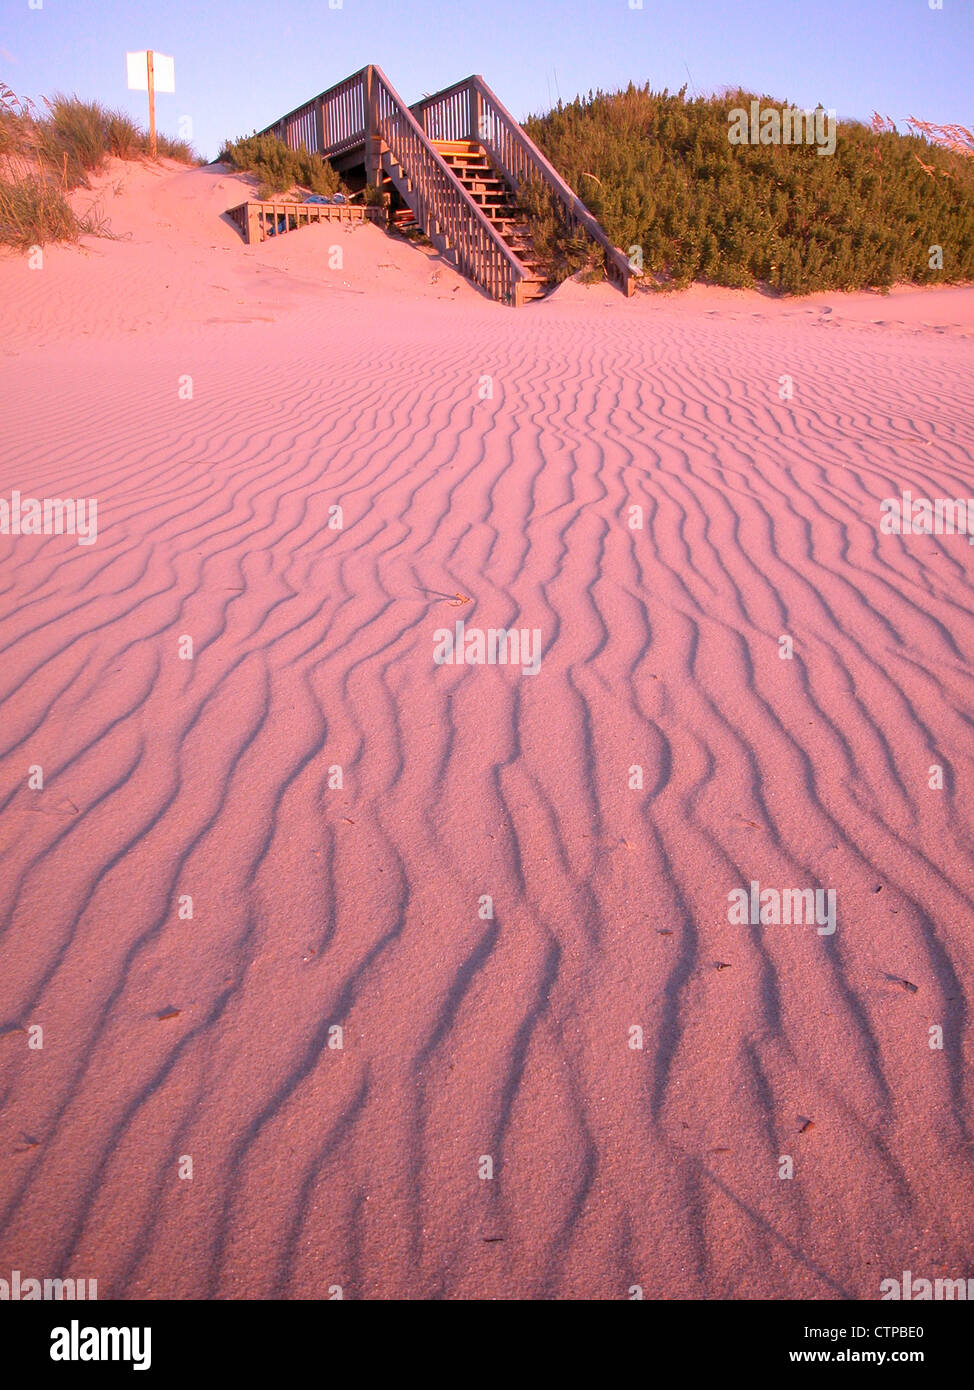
(519, 157)
(364, 113)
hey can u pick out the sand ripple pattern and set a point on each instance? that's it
(315, 905)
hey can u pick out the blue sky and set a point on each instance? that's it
(240, 64)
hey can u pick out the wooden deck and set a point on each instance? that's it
(363, 126)
(258, 220)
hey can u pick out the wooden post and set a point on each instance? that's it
(253, 225)
(152, 102)
(373, 160)
(476, 112)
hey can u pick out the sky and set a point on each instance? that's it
(240, 64)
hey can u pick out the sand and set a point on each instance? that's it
(561, 1070)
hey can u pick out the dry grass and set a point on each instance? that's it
(44, 157)
(34, 208)
(959, 138)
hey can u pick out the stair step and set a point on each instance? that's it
(487, 186)
(457, 146)
(494, 197)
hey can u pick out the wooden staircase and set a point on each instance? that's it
(497, 200)
(456, 161)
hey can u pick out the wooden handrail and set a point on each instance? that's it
(472, 104)
(441, 204)
(365, 109)
(259, 218)
(331, 122)
(447, 115)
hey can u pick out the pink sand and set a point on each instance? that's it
(467, 1036)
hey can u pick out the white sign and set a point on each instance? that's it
(138, 72)
(163, 72)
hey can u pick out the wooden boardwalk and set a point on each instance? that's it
(260, 219)
(363, 127)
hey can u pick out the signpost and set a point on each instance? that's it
(148, 72)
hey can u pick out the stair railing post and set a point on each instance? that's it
(476, 112)
(372, 158)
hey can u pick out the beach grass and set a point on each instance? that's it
(45, 154)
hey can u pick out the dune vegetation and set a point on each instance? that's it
(277, 167)
(660, 173)
(45, 154)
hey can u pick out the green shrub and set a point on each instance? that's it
(279, 168)
(659, 172)
(561, 251)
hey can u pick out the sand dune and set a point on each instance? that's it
(314, 905)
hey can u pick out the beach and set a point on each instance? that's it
(363, 970)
